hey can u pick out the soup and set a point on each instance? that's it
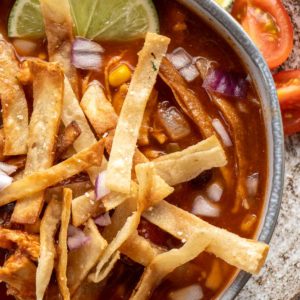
(234, 201)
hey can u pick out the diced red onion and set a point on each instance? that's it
(173, 121)
(189, 73)
(86, 54)
(217, 124)
(204, 207)
(5, 181)
(103, 220)
(192, 292)
(100, 189)
(7, 168)
(180, 58)
(214, 192)
(252, 184)
(76, 238)
(226, 83)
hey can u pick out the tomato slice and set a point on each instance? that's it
(288, 89)
(269, 26)
(291, 121)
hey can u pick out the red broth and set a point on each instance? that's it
(189, 32)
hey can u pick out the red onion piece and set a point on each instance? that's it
(100, 189)
(214, 192)
(173, 121)
(86, 54)
(8, 169)
(76, 238)
(217, 124)
(189, 73)
(226, 83)
(204, 207)
(180, 58)
(103, 220)
(5, 181)
(192, 292)
(252, 184)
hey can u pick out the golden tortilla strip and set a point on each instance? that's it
(61, 271)
(185, 165)
(40, 180)
(48, 88)
(85, 206)
(1, 144)
(140, 250)
(73, 112)
(49, 226)
(14, 104)
(66, 138)
(83, 259)
(143, 138)
(245, 254)
(59, 31)
(118, 177)
(27, 243)
(186, 99)
(18, 272)
(98, 109)
(165, 263)
(237, 132)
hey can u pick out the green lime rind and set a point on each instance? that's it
(100, 20)
(26, 20)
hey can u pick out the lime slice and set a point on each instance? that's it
(94, 19)
(26, 20)
(224, 3)
(122, 20)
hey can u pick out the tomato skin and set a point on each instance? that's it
(291, 121)
(276, 42)
(288, 89)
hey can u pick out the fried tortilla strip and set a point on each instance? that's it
(59, 31)
(127, 216)
(237, 131)
(73, 112)
(185, 165)
(27, 243)
(62, 245)
(49, 225)
(19, 274)
(98, 109)
(143, 138)
(1, 144)
(48, 88)
(186, 99)
(167, 262)
(245, 254)
(38, 181)
(83, 259)
(14, 104)
(85, 206)
(140, 250)
(66, 139)
(118, 177)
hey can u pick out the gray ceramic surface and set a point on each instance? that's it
(231, 31)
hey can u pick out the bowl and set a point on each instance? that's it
(223, 23)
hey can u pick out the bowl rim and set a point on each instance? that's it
(224, 23)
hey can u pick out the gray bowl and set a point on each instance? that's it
(232, 32)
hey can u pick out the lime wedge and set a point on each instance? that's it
(122, 20)
(224, 3)
(26, 20)
(95, 19)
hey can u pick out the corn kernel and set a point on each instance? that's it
(119, 75)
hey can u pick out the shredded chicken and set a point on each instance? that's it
(25, 242)
(19, 274)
